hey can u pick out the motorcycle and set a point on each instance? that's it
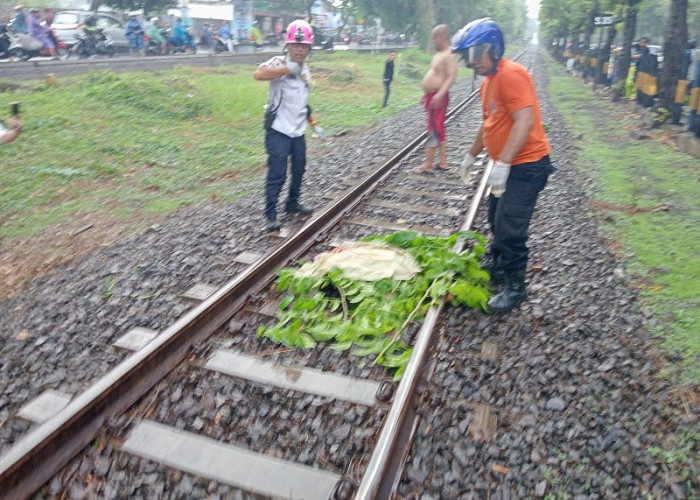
(24, 47)
(92, 43)
(272, 39)
(206, 36)
(222, 44)
(5, 42)
(188, 47)
(153, 47)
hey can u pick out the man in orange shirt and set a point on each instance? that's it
(515, 140)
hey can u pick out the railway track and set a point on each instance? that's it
(199, 346)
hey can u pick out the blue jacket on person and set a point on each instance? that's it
(179, 33)
(133, 26)
(20, 23)
(224, 31)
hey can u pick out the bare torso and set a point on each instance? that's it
(438, 71)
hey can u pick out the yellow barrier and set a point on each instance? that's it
(646, 83)
(680, 91)
(695, 99)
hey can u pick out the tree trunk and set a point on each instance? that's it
(674, 44)
(94, 5)
(604, 56)
(623, 62)
(428, 21)
(147, 4)
(590, 26)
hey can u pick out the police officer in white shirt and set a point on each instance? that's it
(286, 118)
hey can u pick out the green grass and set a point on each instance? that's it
(651, 192)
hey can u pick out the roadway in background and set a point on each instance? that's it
(39, 68)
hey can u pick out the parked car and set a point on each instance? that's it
(69, 22)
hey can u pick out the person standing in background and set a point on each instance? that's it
(288, 112)
(436, 85)
(388, 76)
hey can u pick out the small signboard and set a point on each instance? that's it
(242, 19)
(604, 20)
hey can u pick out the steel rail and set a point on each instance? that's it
(39, 455)
(384, 469)
(383, 472)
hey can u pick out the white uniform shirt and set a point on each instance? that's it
(291, 94)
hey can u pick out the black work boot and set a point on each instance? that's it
(272, 225)
(298, 208)
(498, 275)
(513, 293)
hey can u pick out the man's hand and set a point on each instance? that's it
(293, 67)
(498, 178)
(465, 168)
(14, 123)
(435, 101)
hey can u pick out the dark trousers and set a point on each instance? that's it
(387, 85)
(279, 147)
(509, 216)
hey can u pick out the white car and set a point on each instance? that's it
(67, 23)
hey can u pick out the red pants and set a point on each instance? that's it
(436, 118)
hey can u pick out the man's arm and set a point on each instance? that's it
(523, 119)
(15, 125)
(268, 73)
(450, 76)
(478, 145)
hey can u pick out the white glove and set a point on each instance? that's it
(498, 178)
(293, 67)
(465, 168)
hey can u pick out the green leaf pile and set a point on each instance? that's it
(369, 318)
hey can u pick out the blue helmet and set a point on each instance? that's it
(479, 32)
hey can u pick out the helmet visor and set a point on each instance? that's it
(473, 53)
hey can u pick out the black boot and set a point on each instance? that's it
(498, 275)
(298, 208)
(272, 225)
(513, 293)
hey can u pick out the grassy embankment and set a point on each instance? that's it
(647, 192)
(129, 147)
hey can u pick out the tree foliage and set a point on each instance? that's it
(148, 6)
(420, 16)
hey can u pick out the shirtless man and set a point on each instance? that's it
(436, 84)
